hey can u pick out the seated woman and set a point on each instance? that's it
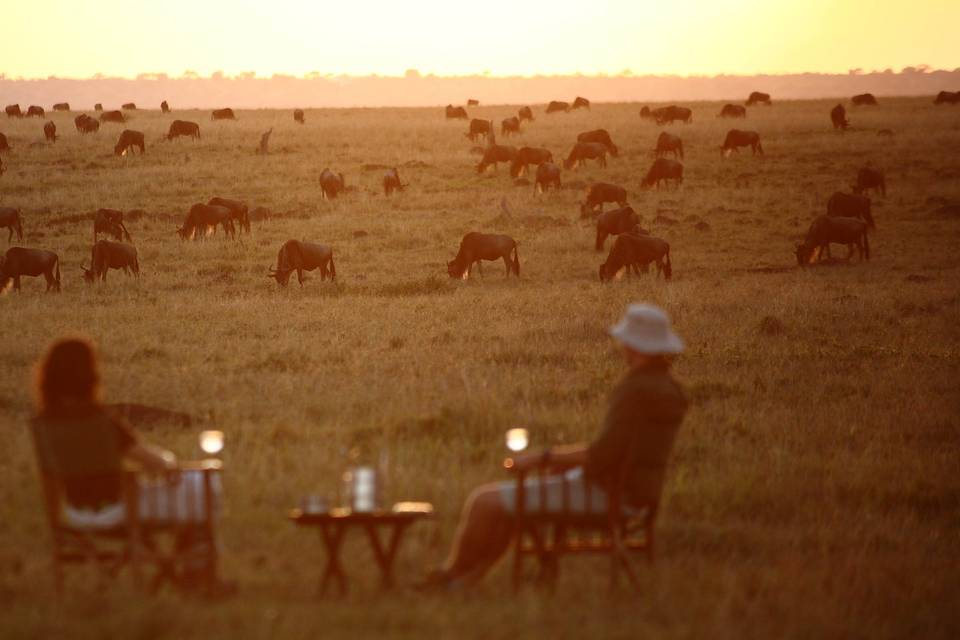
(86, 447)
(642, 420)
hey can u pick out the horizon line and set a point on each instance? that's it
(415, 74)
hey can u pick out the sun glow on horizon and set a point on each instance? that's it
(500, 38)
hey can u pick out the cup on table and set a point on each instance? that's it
(313, 504)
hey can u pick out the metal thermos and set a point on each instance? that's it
(360, 489)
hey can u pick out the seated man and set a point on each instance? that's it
(645, 411)
(80, 442)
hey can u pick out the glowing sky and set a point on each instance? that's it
(68, 38)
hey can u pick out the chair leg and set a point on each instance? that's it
(620, 557)
(57, 575)
(614, 571)
(134, 560)
(549, 570)
(632, 578)
(516, 576)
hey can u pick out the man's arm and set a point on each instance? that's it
(558, 457)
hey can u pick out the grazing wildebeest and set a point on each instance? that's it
(50, 131)
(581, 103)
(733, 111)
(98, 107)
(525, 113)
(663, 169)
(667, 115)
(825, 230)
(476, 247)
(13, 221)
(13, 111)
(527, 156)
(473, 102)
(668, 143)
(494, 154)
(112, 116)
(303, 256)
(4, 145)
(86, 124)
(845, 205)
(164, 107)
(203, 218)
(455, 113)
(646, 113)
(479, 128)
(556, 106)
(838, 116)
(127, 141)
(947, 97)
(864, 100)
(238, 211)
(636, 252)
(757, 97)
(331, 184)
(34, 110)
(599, 193)
(601, 136)
(62, 106)
(869, 178)
(737, 138)
(2, 168)
(298, 116)
(583, 151)
(547, 174)
(615, 222)
(107, 255)
(391, 182)
(128, 106)
(183, 128)
(509, 126)
(223, 114)
(19, 261)
(110, 222)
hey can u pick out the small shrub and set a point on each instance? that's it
(772, 326)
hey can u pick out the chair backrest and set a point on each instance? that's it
(53, 483)
(55, 501)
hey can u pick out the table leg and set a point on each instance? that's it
(385, 557)
(332, 535)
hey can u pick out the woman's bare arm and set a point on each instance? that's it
(152, 458)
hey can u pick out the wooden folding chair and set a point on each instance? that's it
(133, 542)
(109, 547)
(617, 533)
(200, 529)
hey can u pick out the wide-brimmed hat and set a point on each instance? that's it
(646, 329)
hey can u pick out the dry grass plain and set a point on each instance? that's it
(815, 488)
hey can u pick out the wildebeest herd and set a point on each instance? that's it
(848, 218)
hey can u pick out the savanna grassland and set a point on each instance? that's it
(815, 487)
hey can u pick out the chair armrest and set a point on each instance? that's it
(207, 464)
(550, 468)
